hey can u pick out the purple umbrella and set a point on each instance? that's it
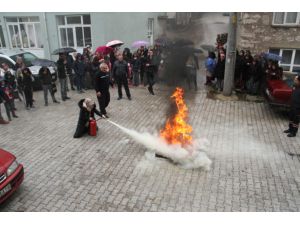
(138, 44)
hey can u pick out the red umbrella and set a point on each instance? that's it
(104, 50)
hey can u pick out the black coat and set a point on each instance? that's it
(84, 118)
(79, 68)
(102, 81)
(61, 69)
(136, 64)
(46, 79)
(120, 69)
(152, 64)
(295, 99)
(220, 69)
(27, 81)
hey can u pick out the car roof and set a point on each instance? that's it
(11, 52)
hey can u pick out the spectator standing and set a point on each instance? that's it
(136, 68)
(27, 87)
(120, 74)
(69, 71)
(79, 68)
(219, 72)
(61, 69)
(150, 70)
(210, 65)
(47, 83)
(295, 109)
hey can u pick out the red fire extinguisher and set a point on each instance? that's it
(93, 128)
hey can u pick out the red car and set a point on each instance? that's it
(11, 174)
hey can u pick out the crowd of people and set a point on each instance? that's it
(80, 72)
(251, 72)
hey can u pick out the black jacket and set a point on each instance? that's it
(295, 99)
(79, 68)
(46, 79)
(220, 69)
(152, 64)
(136, 64)
(102, 80)
(61, 69)
(27, 81)
(120, 69)
(84, 118)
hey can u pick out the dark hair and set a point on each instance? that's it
(211, 55)
(26, 69)
(298, 77)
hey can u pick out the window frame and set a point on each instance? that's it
(73, 27)
(297, 23)
(292, 64)
(26, 25)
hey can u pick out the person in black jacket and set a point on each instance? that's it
(150, 64)
(136, 68)
(102, 80)
(69, 71)
(47, 80)
(79, 69)
(2, 121)
(27, 87)
(295, 109)
(219, 72)
(87, 112)
(120, 74)
(62, 75)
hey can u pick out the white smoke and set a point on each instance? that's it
(191, 157)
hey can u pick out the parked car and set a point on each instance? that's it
(10, 57)
(11, 174)
(278, 92)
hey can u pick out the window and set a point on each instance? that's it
(286, 18)
(74, 31)
(27, 58)
(290, 59)
(24, 32)
(2, 40)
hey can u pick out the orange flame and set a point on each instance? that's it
(176, 130)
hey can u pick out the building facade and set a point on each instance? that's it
(41, 33)
(277, 32)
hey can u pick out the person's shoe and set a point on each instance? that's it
(67, 98)
(287, 131)
(119, 98)
(105, 116)
(82, 91)
(56, 101)
(73, 89)
(64, 99)
(15, 116)
(46, 104)
(3, 121)
(129, 98)
(9, 118)
(291, 135)
(32, 106)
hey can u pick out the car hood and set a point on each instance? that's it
(6, 159)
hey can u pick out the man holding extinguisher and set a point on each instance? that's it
(86, 118)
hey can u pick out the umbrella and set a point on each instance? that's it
(138, 44)
(114, 43)
(42, 62)
(104, 50)
(272, 56)
(63, 50)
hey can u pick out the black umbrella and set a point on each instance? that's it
(63, 50)
(42, 62)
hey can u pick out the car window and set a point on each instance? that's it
(9, 63)
(27, 58)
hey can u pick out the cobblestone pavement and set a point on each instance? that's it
(255, 166)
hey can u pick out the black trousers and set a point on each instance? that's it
(103, 101)
(28, 96)
(150, 79)
(294, 120)
(122, 81)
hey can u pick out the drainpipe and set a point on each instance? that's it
(47, 37)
